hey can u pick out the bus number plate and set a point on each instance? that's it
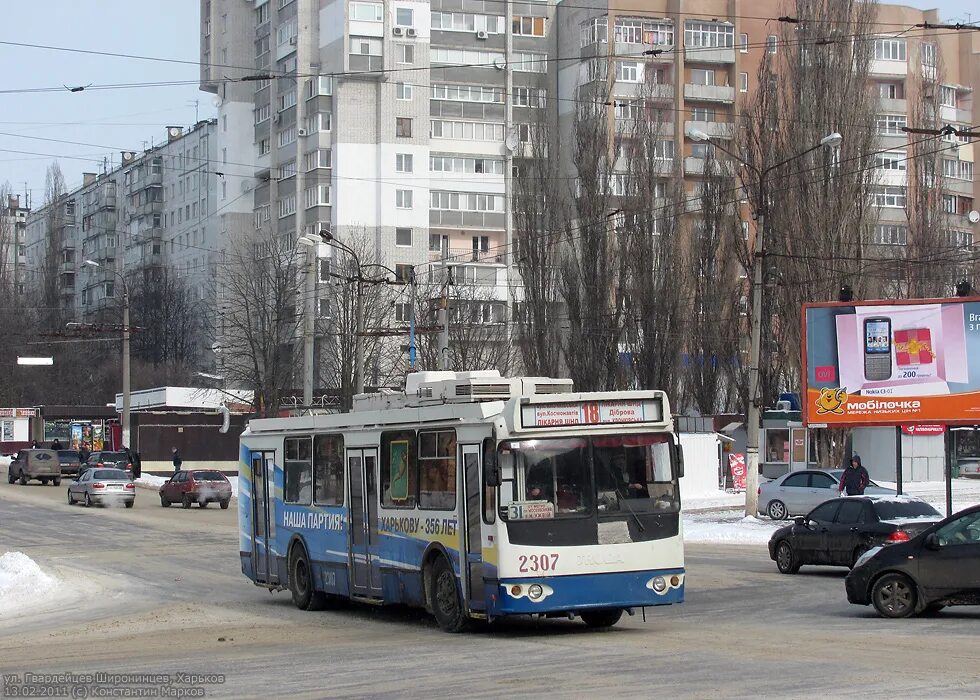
(536, 563)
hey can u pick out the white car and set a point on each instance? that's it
(797, 493)
(970, 468)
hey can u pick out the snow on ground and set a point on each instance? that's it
(22, 583)
(728, 527)
(5, 462)
(149, 481)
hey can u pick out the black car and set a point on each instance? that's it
(109, 460)
(71, 461)
(840, 530)
(939, 567)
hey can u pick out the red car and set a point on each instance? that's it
(201, 486)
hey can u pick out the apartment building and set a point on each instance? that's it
(392, 128)
(13, 249)
(153, 210)
(704, 56)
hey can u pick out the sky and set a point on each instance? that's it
(95, 124)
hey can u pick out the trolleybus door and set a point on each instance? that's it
(361, 467)
(473, 539)
(263, 531)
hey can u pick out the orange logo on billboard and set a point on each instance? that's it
(831, 401)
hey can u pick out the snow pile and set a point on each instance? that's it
(729, 527)
(22, 583)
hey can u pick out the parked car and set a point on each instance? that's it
(797, 493)
(42, 465)
(101, 487)
(970, 468)
(939, 567)
(838, 532)
(201, 486)
(111, 460)
(71, 461)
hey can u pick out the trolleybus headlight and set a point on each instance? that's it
(659, 584)
(535, 591)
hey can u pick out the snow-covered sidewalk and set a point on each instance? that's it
(23, 584)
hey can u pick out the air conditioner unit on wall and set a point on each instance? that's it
(292, 41)
(411, 32)
(301, 132)
(481, 34)
(397, 31)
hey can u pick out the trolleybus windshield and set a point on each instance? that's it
(575, 477)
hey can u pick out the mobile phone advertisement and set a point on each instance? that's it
(883, 363)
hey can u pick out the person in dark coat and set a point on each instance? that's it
(34, 445)
(83, 453)
(177, 460)
(134, 461)
(56, 445)
(855, 478)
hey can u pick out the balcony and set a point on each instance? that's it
(364, 63)
(494, 256)
(717, 130)
(695, 166)
(894, 68)
(709, 93)
(893, 106)
(712, 54)
(466, 219)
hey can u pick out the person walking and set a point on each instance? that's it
(56, 445)
(855, 478)
(83, 453)
(177, 460)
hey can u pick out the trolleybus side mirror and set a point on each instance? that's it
(679, 459)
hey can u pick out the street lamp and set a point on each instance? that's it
(755, 350)
(125, 352)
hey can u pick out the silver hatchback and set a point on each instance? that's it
(103, 487)
(797, 493)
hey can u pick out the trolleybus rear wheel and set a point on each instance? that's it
(305, 596)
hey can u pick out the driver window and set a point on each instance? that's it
(965, 530)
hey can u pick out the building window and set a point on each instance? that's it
(465, 201)
(709, 34)
(890, 49)
(891, 124)
(743, 43)
(287, 100)
(771, 42)
(891, 234)
(467, 22)
(404, 54)
(403, 91)
(404, 17)
(528, 97)
(366, 12)
(403, 162)
(403, 272)
(889, 197)
(527, 62)
(319, 158)
(403, 313)
(947, 96)
(629, 71)
(743, 82)
(403, 199)
(703, 114)
(403, 127)
(318, 196)
(287, 206)
(470, 93)
(403, 236)
(287, 136)
(528, 26)
(892, 160)
(467, 131)
(593, 31)
(701, 76)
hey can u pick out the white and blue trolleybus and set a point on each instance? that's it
(472, 495)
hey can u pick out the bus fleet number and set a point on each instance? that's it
(535, 563)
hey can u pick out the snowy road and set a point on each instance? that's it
(163, 586)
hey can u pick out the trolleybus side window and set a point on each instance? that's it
(399, 469)
(437, 469)
(635, 469)
(298, 471)
(489, 492)
(328, 470)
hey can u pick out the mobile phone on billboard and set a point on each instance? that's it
(877, 349)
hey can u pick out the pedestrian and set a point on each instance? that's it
(34, 445)
(855, 478)
(56, 445)
(134, 463)
(84, 452)
(177, 460)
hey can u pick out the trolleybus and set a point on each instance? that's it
(472, 495)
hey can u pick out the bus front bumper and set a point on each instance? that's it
(557, 594)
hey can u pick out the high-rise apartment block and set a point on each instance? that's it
(13, 249)
(153, 211)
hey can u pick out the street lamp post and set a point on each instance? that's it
(755, 350)
(125, 355)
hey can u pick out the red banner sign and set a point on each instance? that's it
(736, 465)
(923, 429)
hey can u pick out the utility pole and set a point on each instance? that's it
(359, 334)
(303, 30)
(755, 351)
(412, 351)
(125, 369)
(444, 310)
(509, 170)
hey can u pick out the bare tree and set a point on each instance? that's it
(54, 192)
(168, 319)
(257, 292)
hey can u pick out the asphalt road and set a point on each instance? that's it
(154, 590)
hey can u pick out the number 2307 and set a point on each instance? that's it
(537, 562)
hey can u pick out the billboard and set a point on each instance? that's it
(891, 363)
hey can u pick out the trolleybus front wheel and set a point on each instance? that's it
(444, 597)
(601, 618)
(305, 596)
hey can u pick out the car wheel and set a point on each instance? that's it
(185, 501)
(164, 501)
(305, 596)
(601, 619)
(777, 510)
(44, 482)
(129, 504)
(893, 595)
(223, 504)
(447, 606)
(88, 501)
(858, 553)
(786, 560)
(57, 481)
(71, 500)
(23, 479)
